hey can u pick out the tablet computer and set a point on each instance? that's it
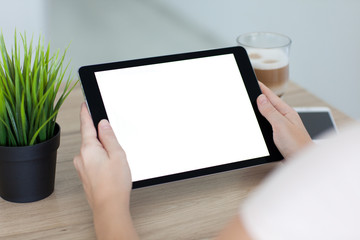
(182, 115)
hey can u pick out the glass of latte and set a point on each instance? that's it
(269, 56)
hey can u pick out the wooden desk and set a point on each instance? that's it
(190, 209)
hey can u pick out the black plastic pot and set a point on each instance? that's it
(27, 174)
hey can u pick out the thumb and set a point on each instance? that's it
(266, 109)
(107, 137)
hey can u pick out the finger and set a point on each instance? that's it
(274, 117)
(108, 138)
(78, 163)
(277, 102)
(79, 166)
(88, 131)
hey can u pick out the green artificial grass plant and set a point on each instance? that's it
(30, 79)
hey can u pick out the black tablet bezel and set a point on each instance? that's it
(98, 112)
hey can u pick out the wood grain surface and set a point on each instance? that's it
(189, 209)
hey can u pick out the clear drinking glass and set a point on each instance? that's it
(269, 56)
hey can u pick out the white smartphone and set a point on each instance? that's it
(317, 121)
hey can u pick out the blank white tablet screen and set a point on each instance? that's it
(180, 116)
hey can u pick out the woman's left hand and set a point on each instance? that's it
(102, 164)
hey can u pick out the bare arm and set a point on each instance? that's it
(106, 178)
(290, 136)
(104, 171)
(235, 230)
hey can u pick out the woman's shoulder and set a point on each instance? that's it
(314, 195)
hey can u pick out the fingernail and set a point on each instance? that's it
(104, 124)
(263, 99)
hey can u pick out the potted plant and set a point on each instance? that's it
(32, 91)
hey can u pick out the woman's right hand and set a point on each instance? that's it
(289, 132)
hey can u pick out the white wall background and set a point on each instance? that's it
(325, 55)
(22, 15)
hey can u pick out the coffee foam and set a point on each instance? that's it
(267, 59)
